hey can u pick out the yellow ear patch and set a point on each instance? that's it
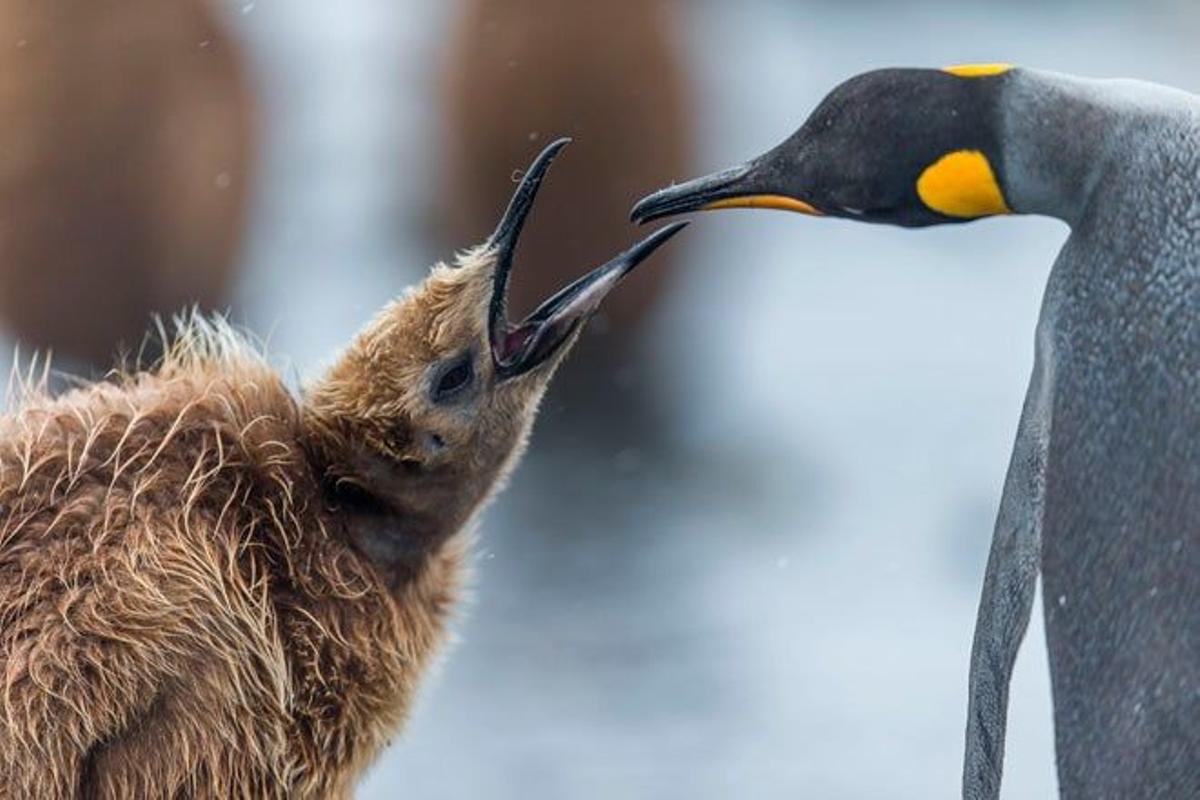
(977, 70)
(962, 184)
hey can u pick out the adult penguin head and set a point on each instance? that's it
(909, 147)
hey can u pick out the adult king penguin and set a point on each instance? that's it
(1103, 491)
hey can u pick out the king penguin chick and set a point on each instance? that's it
(124, 168)
(212, 589)
(1103, 490)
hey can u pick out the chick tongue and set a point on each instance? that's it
(514, 343)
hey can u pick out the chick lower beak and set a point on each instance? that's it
(518, 348)
(740, 187)
(533, 341)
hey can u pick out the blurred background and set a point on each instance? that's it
(743, 555)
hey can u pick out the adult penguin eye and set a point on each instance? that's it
(454, 379)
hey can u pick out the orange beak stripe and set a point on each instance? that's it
(777, 201)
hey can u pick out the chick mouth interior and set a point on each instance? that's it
(518, 348)
(549, 325)
(531, 342)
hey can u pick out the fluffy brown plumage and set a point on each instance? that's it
(124, 167)
(181, 610)
(213, 588)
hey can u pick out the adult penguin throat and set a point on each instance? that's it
(519, 347)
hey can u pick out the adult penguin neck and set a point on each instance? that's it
(1062, 134)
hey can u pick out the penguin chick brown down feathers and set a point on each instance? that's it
(210, 588)
(1103, 490)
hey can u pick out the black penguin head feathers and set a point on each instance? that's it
(907, 147)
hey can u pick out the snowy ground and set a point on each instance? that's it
(775, 597)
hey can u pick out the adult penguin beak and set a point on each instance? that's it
(747, 186)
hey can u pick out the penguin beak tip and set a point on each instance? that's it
(694, 195)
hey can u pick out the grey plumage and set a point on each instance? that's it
(1108, 457)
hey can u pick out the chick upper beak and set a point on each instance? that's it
(747, 186)
(518, 348)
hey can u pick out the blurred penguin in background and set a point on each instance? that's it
(611, 75)
(124, 169)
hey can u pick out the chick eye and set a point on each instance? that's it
(454, 378)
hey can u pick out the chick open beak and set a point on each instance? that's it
(740, 187)
(519, 347)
